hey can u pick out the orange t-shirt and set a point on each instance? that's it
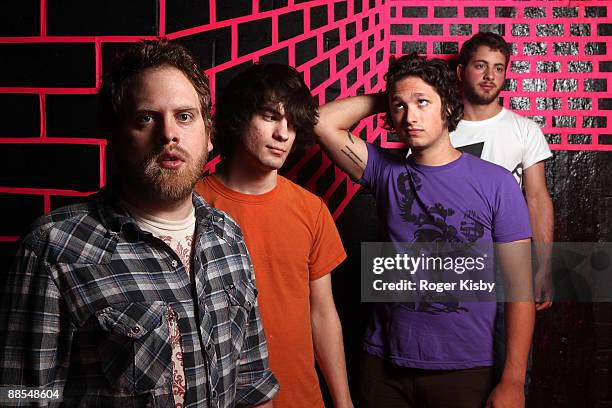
(292, 240)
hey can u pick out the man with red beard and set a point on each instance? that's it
(144, 295)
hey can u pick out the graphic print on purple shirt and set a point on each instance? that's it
(465, 201)
(432, 223)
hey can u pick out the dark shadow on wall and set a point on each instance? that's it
(358, 223)
(573, 341)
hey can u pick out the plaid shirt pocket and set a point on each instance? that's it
(135, 353)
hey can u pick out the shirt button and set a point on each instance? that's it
(248, 303)
(136, 329)
(174, 263)
(208, 346)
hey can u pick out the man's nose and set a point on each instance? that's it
(169, 131)
(411, 115)
(281, 131)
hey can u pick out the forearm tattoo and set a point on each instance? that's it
(348, 132)
(353, 157)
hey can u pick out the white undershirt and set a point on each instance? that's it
(177, 234)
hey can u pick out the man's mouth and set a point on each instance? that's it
(171, 160)
(277, 150)
(488, 86)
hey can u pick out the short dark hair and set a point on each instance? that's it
(256, 89)
(436, 73)
(138, 58)
(493, 41)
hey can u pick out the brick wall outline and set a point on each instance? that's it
(345, 52)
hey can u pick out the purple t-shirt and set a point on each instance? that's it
(468, 200)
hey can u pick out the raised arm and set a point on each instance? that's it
(332, 130)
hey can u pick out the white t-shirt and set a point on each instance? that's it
(177, 234)
(507, 139)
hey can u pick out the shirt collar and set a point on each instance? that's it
(115, 219)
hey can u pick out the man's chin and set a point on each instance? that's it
(482, 99)
(488, 99)
(168, 185)
(173, 195)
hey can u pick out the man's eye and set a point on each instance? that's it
(267, 117)
(479, 66)
(145, 119)
(500, 69)
(398, 106)
(423, 102)
(184, 117)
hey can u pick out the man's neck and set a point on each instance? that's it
(245, 179)
(171, 211)
(475, 113)
(438, 154)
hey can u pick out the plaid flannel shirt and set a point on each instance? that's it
(85, 306)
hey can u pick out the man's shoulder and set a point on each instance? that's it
(203, 185)
(223, 222)
(57, 227)
(229, 224)
(483, 169)
(65, 215)
(521, 120)
(387, 155)
(296, 191)
(505, 117)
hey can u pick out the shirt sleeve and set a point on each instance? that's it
(256, 383)
(373, 167)
(327, 251)
(511, 217)
(36, 331)
(535, 146)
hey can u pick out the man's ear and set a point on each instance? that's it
(459, 72)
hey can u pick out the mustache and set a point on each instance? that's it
(172, 150)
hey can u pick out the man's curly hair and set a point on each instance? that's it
(493, 41)
(260, 87)
(436, 73)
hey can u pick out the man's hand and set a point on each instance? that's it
(507, 395)
(544, 289)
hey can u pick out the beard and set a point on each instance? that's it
(475, 98)
(161, 184)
